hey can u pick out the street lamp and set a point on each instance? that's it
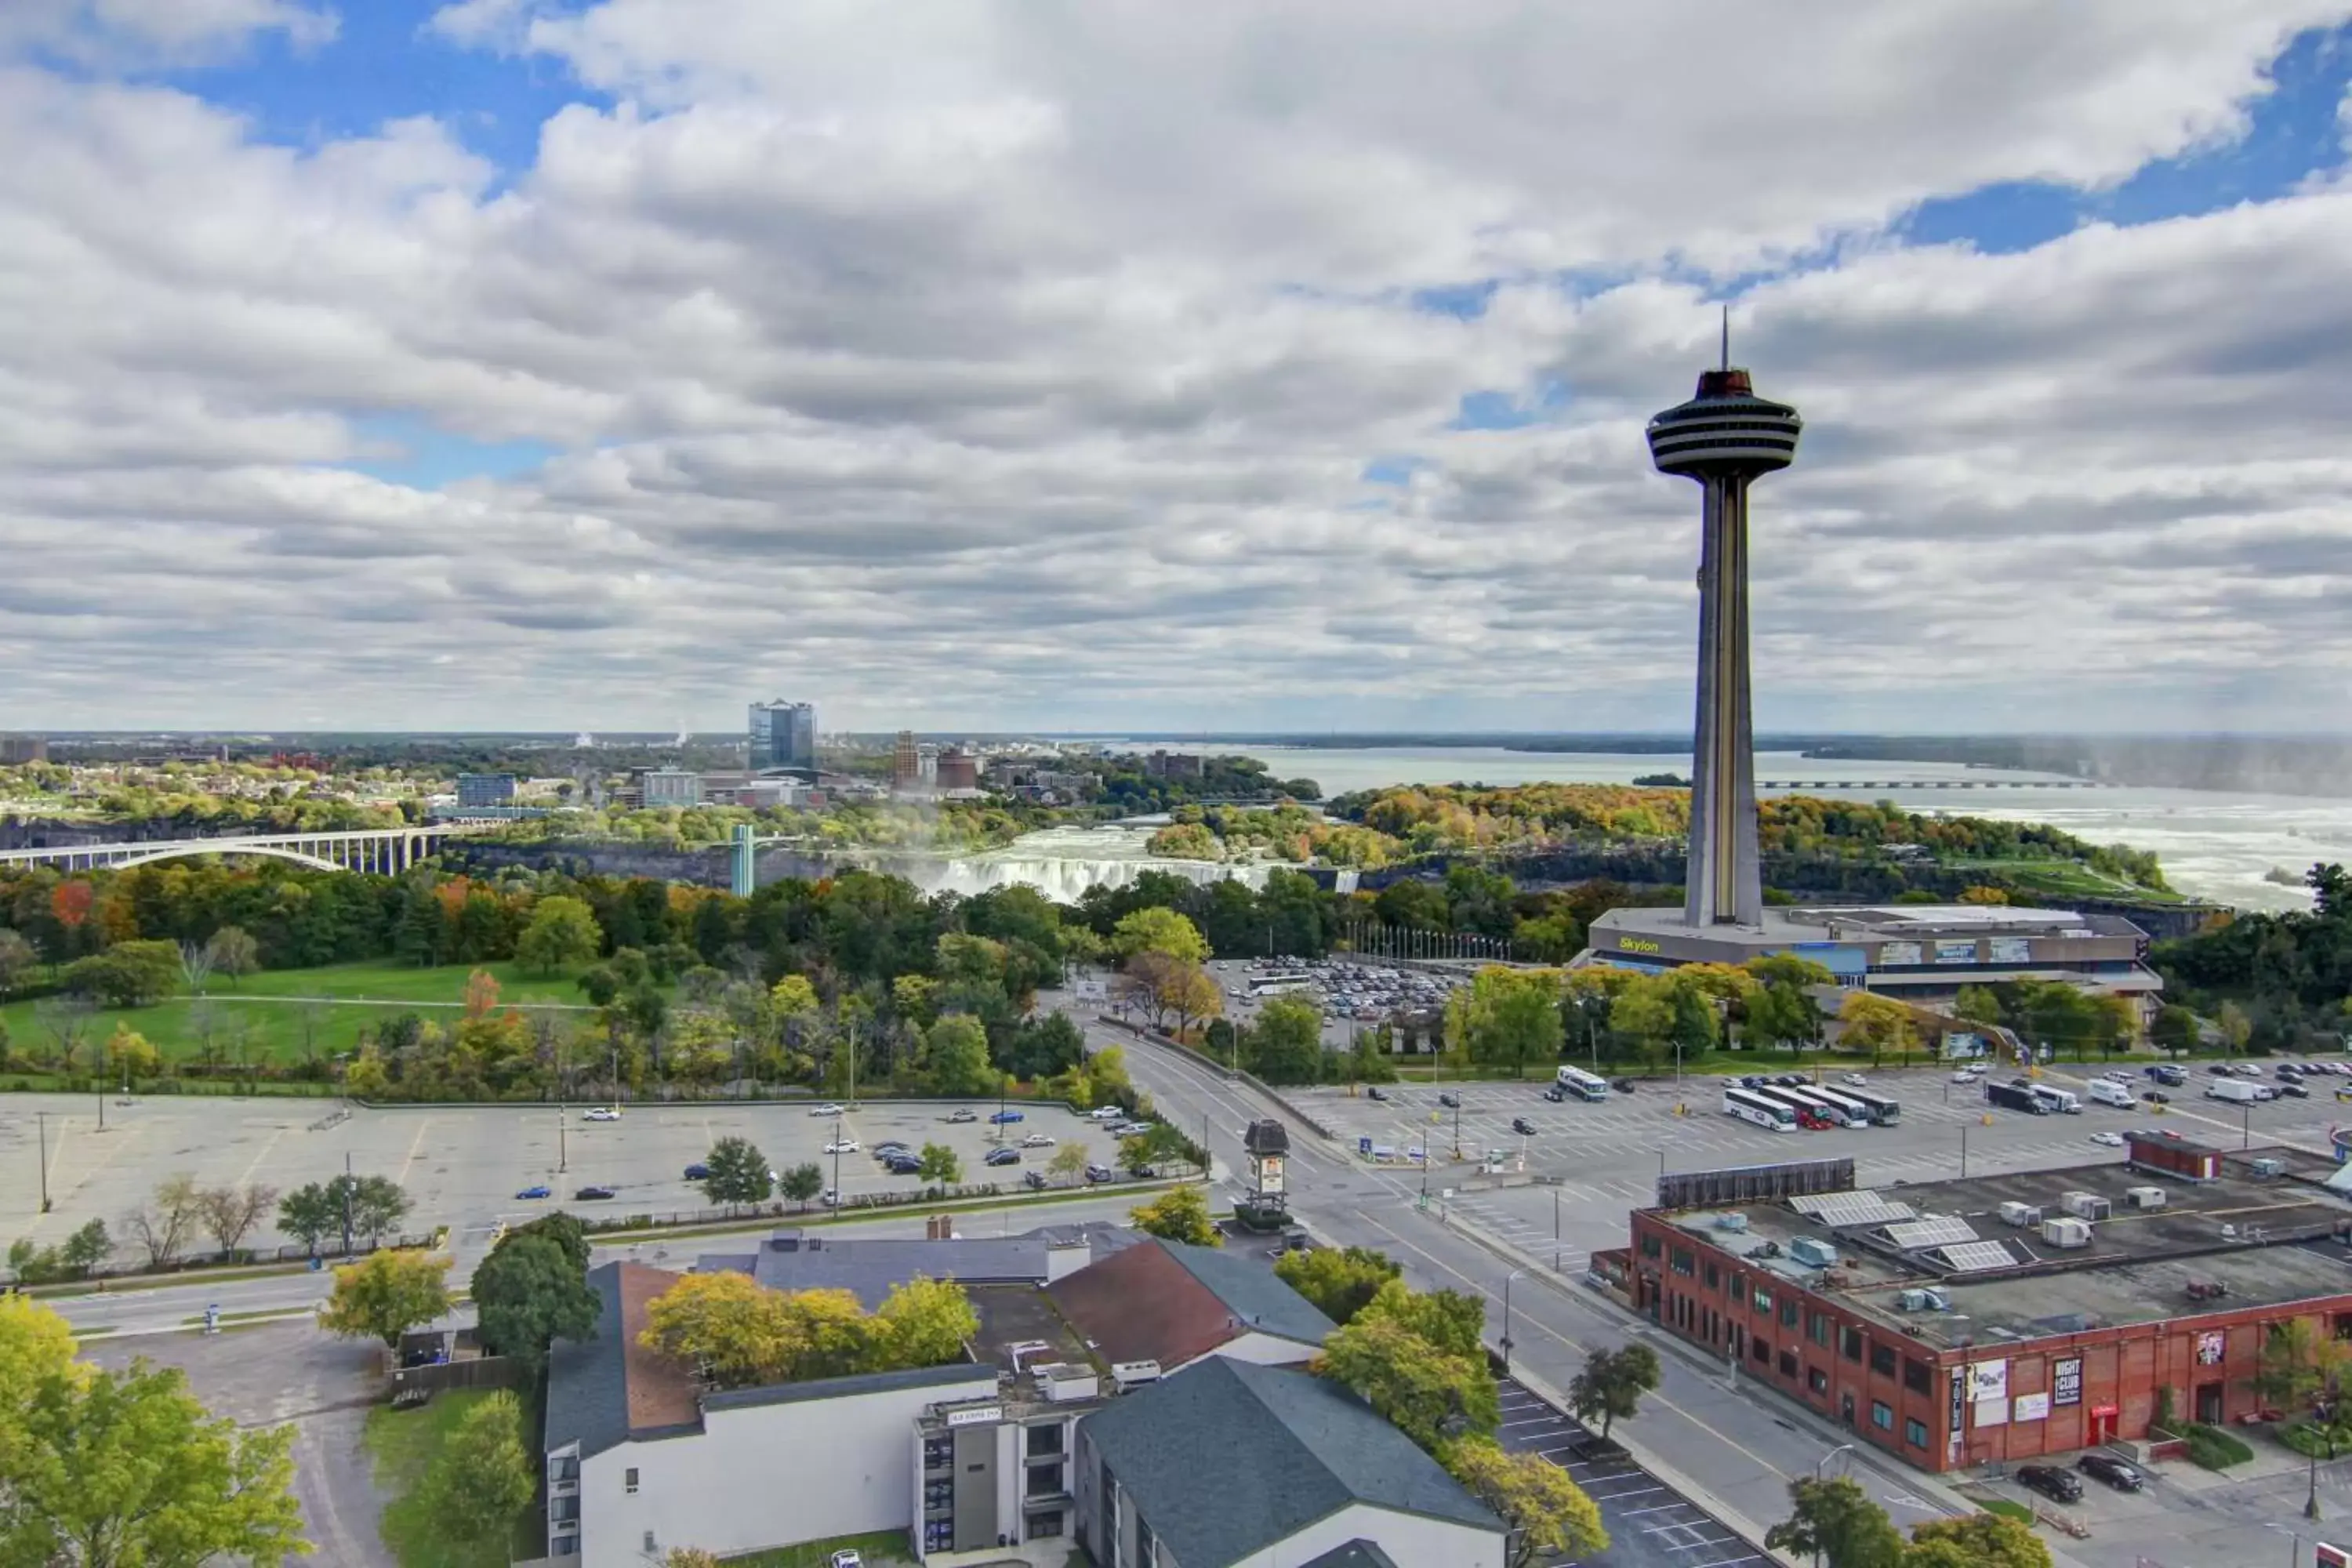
(1825, 1458)
(42, 1117)
(2323, 1411)
(1514, 1274)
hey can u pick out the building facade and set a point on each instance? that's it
(485, 789)
(782, 737)
(905, 762)
(15, 751)
(957, 769)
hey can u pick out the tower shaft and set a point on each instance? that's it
(1724, 883)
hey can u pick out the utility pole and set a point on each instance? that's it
(1514, 1274)
(347, 1205)
(836, 1157)
(42, 1117)
(1964, 1152)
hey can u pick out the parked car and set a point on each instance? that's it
(1853, 1080)
(1622, 1085)
(2294, 1092)
(1038, 1140)
(1792, 1080)
(1556, 1094)
(1034, 1180)
(1451, 1100)
(2157, 1097)
(846, 1558)
(2117, 1473)
(1964, 1076)
(1374, 1091)
(1004, 1118)
(903, 1165)
(1523, 1127)
(827, 1108)
(889, 1146)
(966, 1114)
(535, 1192)
(698, 1171)
(602, 1113)
(2057, 1485)
(1003, 1157)
(1101, 1173)
(1106, 1113)
(2111, 1140)
(592, 1194)
(1754, 1080)
(842, 1146)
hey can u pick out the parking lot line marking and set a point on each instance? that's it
(267, 1144)
(1653, 1508)
(1531, 1421)
(415, 1147)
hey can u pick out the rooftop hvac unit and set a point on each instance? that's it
(2144, 1198)
(2207, 1290)
(1924, 1300)
(2064, 1230)
(1731, 1222)
(1127, 1374)
(2086, 1205)
(1813, 1252)
(1061, 1380)
(2267, 1166)
(2019, 1214)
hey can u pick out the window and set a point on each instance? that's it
(1762, 1348)
(1788, 1363)
(564, 1468)
(1739, 1286)
(1821, 1327)
(629, 1480)
(1683, 1263)
(1915, 1375)
(1044, 1479)
(1817, 1380)
(1652, 1247)
(1045, 1439)
(1789, 1310)
(1763, 1300)
(2344, 1325)
(1715, 1279)
(1915, 1433)
(1882, 1415)
(1853, 1345)
(565, 1546)
(563, 1509)
(1037, 1526)
(1882, 1360)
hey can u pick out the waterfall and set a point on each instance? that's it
(1060, 862)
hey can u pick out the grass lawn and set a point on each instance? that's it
(2066, 878)
(403, 1444)
(2006, 1509)
(278, 1013)
(890, 1550)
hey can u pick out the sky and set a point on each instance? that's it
(955, 365)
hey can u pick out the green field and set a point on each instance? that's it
(283, 1015)
(2065, 879)
(403, 1444)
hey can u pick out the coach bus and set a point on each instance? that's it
(1851, 1109)
(1277, 984)
(1749, 1105)
(1884, 1109)
(1582, 1084)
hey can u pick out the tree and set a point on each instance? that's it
(2174, 1029)
(231, 1212)
(956, 1056)
(1161, 930)
(1286, 1045)
(125, 1468)
(529, 1293)
(739, 1172)
(1835, 1522)
(924, 1322)
(1975, 1540)
(1190, 992)
(1507, 1017)
(1980, 1006)
(371, 1205)
(1339, 1283)
(385, 1294)
(1549, 1515)
(483, 1476)
(1454, 1322)
(86, 1248)
(195, 965)
(2236, 1027)
(940, 1165)
(167, 1220)
(1643, 1011)
(1181, 1214)
(233, 952)
(1782, 1011)
(128, 1055)
(1069, 1162)
(562, 931)
(18, 959)
(1431, 1397)
(803, 1181)
(1611, 1385)
(128, 974)
(1878, 1023)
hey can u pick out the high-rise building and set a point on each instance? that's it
(485, 789)
(905, 763)
(19, 749)
(783, 737)
(957, 769)
(1724, 438)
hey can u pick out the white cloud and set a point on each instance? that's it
(959, 371)
(144, 34)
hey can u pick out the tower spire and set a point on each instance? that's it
(1726, 335)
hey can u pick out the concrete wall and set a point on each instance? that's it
(763, 1476)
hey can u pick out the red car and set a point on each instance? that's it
(1812, 1122)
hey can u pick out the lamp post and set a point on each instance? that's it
(2323, 1411)
(1964, 1151)
(836, 1154)
(42, 1117)
(1825, 1458)
(1514, 1274)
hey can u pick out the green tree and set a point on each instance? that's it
(125, 1468)
(1179, 1214)
(1611, 1384)
(1507, 1017)
(1549, 1515)
(1158, 930)
(1835, 1522)
(956, 1057)
(739, 1172)
(529, 1292)
(1431, 1397)
(86, 1248)
(1975, 1540)
(2174, 1029)
(385, 1294)
(1783, 1012)
(373, 1205)
(1452, 1321)
(1878, 1023)
(924, 1322)
(940, 1167)
(233, 952)
(562, 931)
(1286, 1045)
(128, 974)
(803, 1181)
(1069, 1164)
(1339, 1281)
(484, 1476)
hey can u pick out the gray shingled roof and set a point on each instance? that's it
(867, 1267)
(1225, 1458)
(1355, 1554)
(587, 1380)
(1252, 1293)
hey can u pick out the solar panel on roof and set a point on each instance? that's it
(1863, 1207)
(1970, 1256)
(1938, 1232)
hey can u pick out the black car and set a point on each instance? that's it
(2057, 1485)
(1556, 1094)
(2123, 1477)
(1449, 1100)
(1622, 1084)
(1792, 1081)
(1523, 1127)
(2220, 1069)
(2154, 1098)
(2294, 1090)
(1754, 1080)
(1375, 1091)
(592, 1194)
(903, 1165)
(1003, 1157)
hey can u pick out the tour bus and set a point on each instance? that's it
(1275, 984)
(1749, 1105)
(1820, 1102)
(1857, 1115)
(1582, 1084)
(1884, 1110)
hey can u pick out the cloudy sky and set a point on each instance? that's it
(1074, 364)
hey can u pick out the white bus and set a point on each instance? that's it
(1828, 1103)
(1276, 985)
(1749, 1105)
(1582, 1084)
(1884, 1110)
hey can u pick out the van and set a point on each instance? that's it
(2235, 1089)
(2108, 1092)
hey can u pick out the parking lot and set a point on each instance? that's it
(1649, 1523)
(464, 1165)
(1353, 995)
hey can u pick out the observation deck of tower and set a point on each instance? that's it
(1724, 438)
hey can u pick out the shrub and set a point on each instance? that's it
(2216, 1449)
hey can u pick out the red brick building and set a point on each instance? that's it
(2008, 1317)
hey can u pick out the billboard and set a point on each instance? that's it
(2066, 1380)
(2011, 950)
(1897, 954)
(1987, 1380)
(1956, 952)
(2030, 1407)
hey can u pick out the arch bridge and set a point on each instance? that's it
(386, 850)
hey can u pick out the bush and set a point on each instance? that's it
(2314, 1441)
(2216, 1449)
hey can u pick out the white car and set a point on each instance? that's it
(848, 1558)
(828, 1109)
(1106, 1113)
(1854, 1079)
(1038, 1140)
(1964, 1076)
(603, 1114)
(2111, 1140)
(842, 1146)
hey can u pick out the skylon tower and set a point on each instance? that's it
(1724, 438)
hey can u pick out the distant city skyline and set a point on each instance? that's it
(550, 364)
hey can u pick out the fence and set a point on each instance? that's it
(196, 1266)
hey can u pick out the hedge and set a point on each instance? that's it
(2216, 1449)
